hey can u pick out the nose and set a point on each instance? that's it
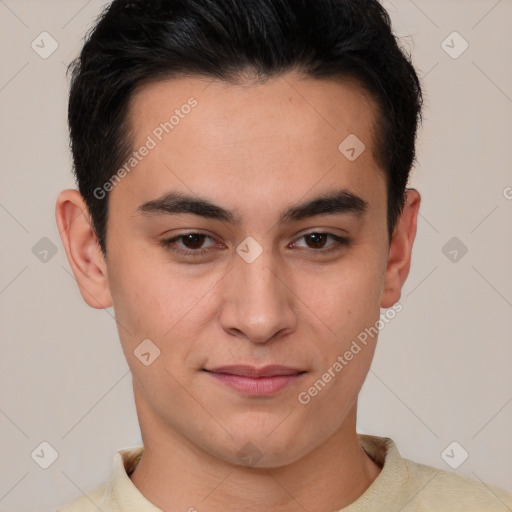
(259, 303)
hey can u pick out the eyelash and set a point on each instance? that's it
(169, 244)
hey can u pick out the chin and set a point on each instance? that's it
(263, 451)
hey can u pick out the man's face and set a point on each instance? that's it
(256, 151)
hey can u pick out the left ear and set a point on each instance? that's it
(399, 258)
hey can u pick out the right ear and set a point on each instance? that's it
(82, 249)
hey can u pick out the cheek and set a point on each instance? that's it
(141, 300)
(158, 301)
(142, 288)
(346, 297)
(349, 305)
(344, 356)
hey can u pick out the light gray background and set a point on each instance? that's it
(442, 370)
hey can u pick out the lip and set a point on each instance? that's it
(244, 370)
(254, 381)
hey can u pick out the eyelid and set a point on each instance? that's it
(325, 231)
(340, 242)
(169, 242)
(319, 230)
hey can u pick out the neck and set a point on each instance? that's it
(175, 474)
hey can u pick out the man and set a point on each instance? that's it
(242, 205)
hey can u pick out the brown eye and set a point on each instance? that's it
(317, 239)
(193, 240)
(192, 244)
(317, 242)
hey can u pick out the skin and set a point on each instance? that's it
(255, 149)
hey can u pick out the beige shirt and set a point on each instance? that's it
(402, 486)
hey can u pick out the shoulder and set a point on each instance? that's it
(119, 484)
(442, 490)
(409, 486)
(98, 499)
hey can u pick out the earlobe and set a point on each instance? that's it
(399, 258)
(82, 249)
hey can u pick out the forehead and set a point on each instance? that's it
(268, 140)
(330, 107)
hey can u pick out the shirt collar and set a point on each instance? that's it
(382, 450)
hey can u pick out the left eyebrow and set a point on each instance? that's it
(341, 202)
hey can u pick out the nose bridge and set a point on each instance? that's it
(259, 280)
(259, 304)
